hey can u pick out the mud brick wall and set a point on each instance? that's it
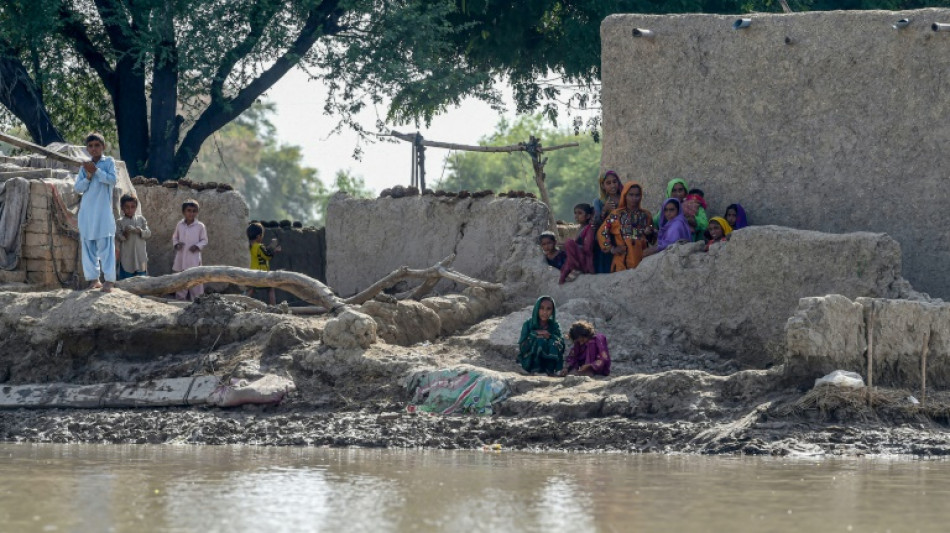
(830, 121)
(44, 253)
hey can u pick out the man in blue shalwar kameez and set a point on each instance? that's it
(95, 182)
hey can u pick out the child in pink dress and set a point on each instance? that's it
(189, 239)
(589, 356)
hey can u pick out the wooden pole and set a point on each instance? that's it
(27, 145)
(923, 369)
(870, 326)
(535, 150)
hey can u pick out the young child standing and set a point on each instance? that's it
(589, 356)
(261, 255)
(541, 346)
(552, 256)
(95, 182)
(189, 239)
(580, 250)
(131, 231)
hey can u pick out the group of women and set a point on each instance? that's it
(617, 232)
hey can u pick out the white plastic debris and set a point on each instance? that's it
(913, 400)
(842, 378)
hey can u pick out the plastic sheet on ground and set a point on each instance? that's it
(842, 378)
(455, 391)
(269, 389)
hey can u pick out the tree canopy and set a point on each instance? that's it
(571, 172)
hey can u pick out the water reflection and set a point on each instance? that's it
(184, 488)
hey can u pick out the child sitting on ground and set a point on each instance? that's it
(718, 231)
(552, 256)
(589, 356)
(261, 255)
(736, 217)
(541, 346)
(131, 231)
(189, 239)
(580, 250)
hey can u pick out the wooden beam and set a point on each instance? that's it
(408, 137)
(27, 145)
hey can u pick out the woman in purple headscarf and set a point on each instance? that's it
(673, 227)
(735, 216)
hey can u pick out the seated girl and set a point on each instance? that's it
(541, 346)
(718, 230)
(735, 216)
(676, 188)
(610, 187)
(580, 250)
(673, 227)
(627, 231)
(552, 256)
(589, 355)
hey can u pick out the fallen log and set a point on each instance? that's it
(300, 285)
(432, 275)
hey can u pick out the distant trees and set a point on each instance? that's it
(571, 173)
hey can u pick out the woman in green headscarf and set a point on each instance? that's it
(695, 214)
(541, 345)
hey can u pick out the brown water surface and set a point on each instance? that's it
(228, 489)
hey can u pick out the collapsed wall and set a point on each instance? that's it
(225, 214)
(829, 121)
(830, 333)
(736, 298)
(368, 239)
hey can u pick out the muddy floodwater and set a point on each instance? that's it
(202, 488)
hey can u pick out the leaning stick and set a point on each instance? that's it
(870, 326)
(923, 369)
(300, 285)
(27, 145)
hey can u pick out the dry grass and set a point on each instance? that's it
(867, 405)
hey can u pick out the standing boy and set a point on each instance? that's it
(131, 232)
(95, 182)
(189, 239)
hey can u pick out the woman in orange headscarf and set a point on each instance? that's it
(628, 230)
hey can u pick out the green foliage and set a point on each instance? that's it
(270, 175)
(571, 172)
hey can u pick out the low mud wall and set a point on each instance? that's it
(367, 239)
(829, 120)
(830, 333)
(225, 214)
(736, 298)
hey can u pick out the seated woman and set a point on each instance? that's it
(541, 345)
(673, 227)
(735, 216)
(610, 188)
(627, 230)
(719, 230)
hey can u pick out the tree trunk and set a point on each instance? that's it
(131, 115)
(165, 120)
(20, 95)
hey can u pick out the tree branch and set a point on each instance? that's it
(434, 273)
(20, 95)
(260, 16)
(73, 30)
(322, 20)
(300, 285)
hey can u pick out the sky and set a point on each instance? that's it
(300, 121)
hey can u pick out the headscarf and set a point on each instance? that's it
(741, 220)
(699, 199)
(534, 322)
(603, 192)
(672, 230)
(726, 228)
(669, 187)
(623, 194)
